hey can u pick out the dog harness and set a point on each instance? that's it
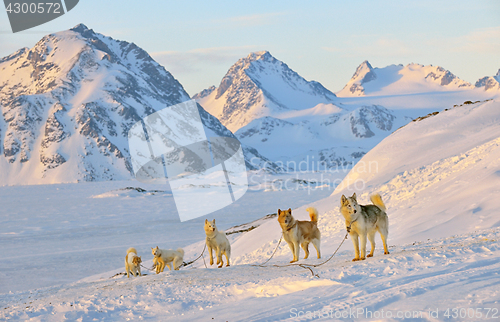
(292, 226)
(350, 224)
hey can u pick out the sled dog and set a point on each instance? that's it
(164, 257)
(132, 262)
(301, 233)
(365, 221)
(217, 240)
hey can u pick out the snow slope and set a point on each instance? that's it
(438, 176)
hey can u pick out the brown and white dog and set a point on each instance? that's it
(166, 257)
(132, 262)
(301, 233)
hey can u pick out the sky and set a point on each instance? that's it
(198, 41)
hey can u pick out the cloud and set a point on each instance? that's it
(372, 46)
(480, 41)
(252, 20)
(200, 59)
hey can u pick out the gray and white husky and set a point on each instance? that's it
(365, 221)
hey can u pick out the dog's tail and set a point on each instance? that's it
(313, 213)
(180, 250)
(377, 201)
(131, 250)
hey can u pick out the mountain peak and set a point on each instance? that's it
(82, 29)
(364, 72)
(80, 26)
(498, 73)
(260, 85)
(367, 64)
(260, 55)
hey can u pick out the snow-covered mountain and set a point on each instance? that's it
(289, 119)
(67, 105)
(260, 85)
(399, 79)
(489, 83)
(323, 137)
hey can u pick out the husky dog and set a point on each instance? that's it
(164, 257)
(217, 240)
(300, 233)
(365, 221)
(132, 262)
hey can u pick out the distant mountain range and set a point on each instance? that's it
(290, 119)
(67, 105)
(409, 79)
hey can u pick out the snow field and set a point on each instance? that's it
(455, 272)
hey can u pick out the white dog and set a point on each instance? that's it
(217, 240)
(167, 257)
(132, 262)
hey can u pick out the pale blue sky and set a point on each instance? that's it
(197, 41)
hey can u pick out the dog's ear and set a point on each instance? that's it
(213, 221)
(279, 212)
(206, 220)
(343, 200)
(354, 196)
(289, 210)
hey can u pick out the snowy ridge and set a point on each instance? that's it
(399, 79)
